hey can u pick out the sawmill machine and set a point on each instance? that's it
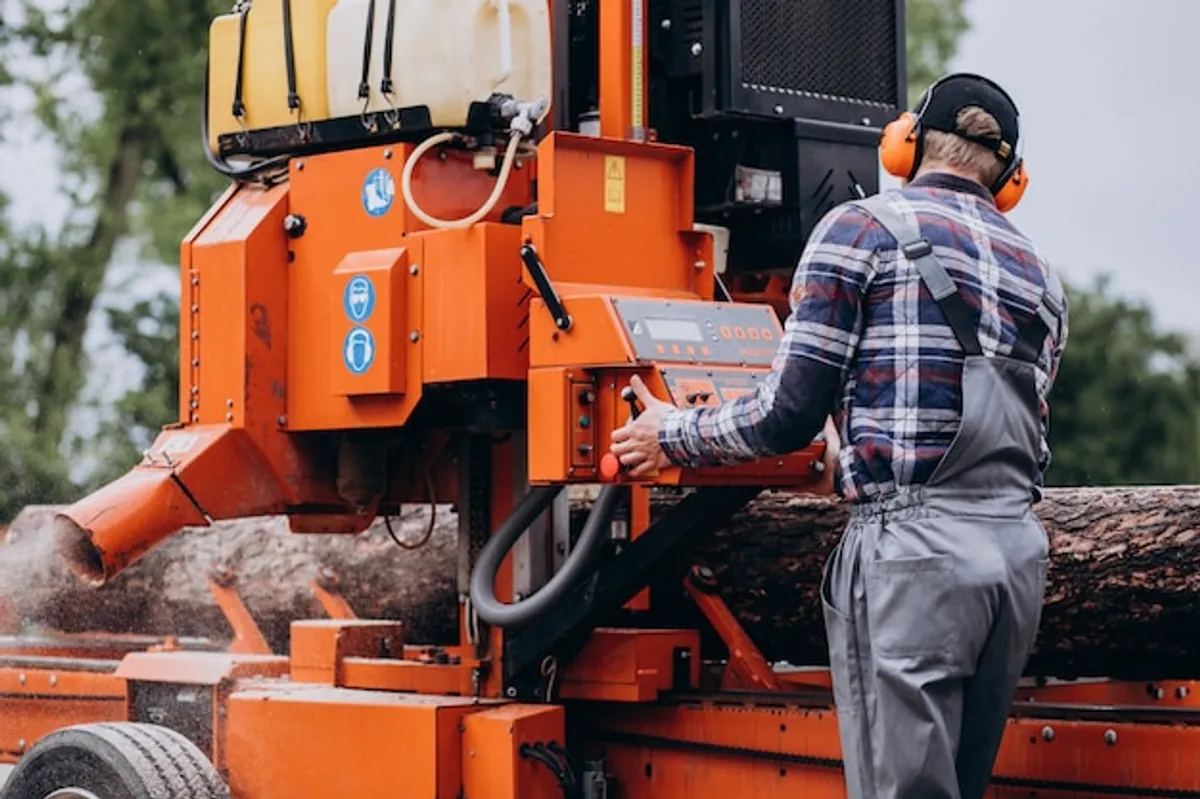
(454, 230)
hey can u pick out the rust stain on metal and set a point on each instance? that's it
(261, 323)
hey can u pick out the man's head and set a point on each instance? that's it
(948, 152)
(963, 124)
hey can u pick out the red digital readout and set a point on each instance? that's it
(742, 333)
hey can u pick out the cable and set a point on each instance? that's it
(424, 539)
(251, 172)
(523, 119)
(553, 758)
(510, 156)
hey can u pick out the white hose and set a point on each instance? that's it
(514, 142)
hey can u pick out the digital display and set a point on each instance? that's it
(674, 329)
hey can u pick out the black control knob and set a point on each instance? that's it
(630, 397)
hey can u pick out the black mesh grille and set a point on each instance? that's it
(844, 49)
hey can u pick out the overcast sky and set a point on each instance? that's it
(1109, 102)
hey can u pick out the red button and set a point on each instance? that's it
(610, 467)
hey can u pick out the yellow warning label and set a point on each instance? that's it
(614, 184)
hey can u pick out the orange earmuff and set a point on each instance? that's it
(898, 145)
(1012, 190)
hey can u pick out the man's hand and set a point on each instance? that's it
(636, 444)
(833, 445)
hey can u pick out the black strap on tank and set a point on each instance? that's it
(364, 86)
(385, 84)
(239, 106)
(293, 99)
(919, 250)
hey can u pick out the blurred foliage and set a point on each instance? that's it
(1126, 405)
(117, 90)
(934, 29)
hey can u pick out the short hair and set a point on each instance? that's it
(966, 156)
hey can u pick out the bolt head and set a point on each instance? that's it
(414, 270)
(697, 48)
(414, 336)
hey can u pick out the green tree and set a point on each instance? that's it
(934, 30)
(1126, 406)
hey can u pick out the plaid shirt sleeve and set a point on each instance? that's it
(1056, 355)
(820, 340)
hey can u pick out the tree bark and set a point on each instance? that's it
(1123, 585)
(1121, 595)
(167, 592)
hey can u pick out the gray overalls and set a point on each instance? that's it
(933, 598)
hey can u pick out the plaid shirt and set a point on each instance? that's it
(866, 343)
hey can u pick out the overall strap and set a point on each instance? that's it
(919, 250)
(1047, 318)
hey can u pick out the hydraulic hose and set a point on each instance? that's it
(579, 564)
(406, 188)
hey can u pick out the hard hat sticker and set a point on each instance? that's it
(358, 350)
(378, 192)
(359, 299)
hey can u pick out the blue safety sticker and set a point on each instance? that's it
(358, 301)
(378, 192)
(358, 350)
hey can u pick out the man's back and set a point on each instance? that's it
(902, 392)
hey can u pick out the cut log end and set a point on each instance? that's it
(74, 544)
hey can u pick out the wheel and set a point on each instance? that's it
(115, 761)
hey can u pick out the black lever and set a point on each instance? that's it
(628, 395)
(549, 296)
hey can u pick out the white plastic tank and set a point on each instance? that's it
(446, 54)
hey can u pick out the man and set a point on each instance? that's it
(935, 363)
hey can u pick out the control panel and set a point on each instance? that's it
(692, 331)
(691, 353)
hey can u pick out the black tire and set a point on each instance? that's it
(116, 761)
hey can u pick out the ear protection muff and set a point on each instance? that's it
(901, 147)
(1011, 186)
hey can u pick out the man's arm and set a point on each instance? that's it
(1057, 351)
(820, 340)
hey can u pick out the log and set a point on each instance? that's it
(1122, 590)
(1123, 585)
(167, 593)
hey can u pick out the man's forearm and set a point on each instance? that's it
(784, 415)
